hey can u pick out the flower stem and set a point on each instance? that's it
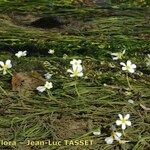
(10, 73)
(3, 90)
(127, 77)
(77, 89)
(123, 133)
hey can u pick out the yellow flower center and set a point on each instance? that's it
(123, 120)
(128, 67)
(5, 67)
(75, 73)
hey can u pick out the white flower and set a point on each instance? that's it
(5, 66)
(48, 76)
(118, 55)
(41, 88)
(114, 136)
(98, 132)
(76, 71)
(123, 121)
(130, 101)
(128, 67)
(75, 62)
(21, 53)
(51, 51)
(48, 85)
(109, 140)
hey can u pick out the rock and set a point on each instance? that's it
(24, 83)
(47, 22)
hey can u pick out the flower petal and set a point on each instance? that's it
(127, 116)
(72, 62)
(1, 63)
(128, 123)
(123, 51)
(97, 133)
(115, 58)
(133, 66)
(77, 68)
(48, 76)
(79, 61)
(120, 116)
(71, 75)
(114, 54)
(51, 51)
(123, 126)
(131, 70)
(4, 72)
(41, 88)
(18, 55)
(131, 101)
(129, 63)
(8, 63)
(80, 74)
(109, 140)
(48, 85)
(118, 122)
(118, 134)
(70, 71)
(123, 64)
(24, 53)
(124, 68)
